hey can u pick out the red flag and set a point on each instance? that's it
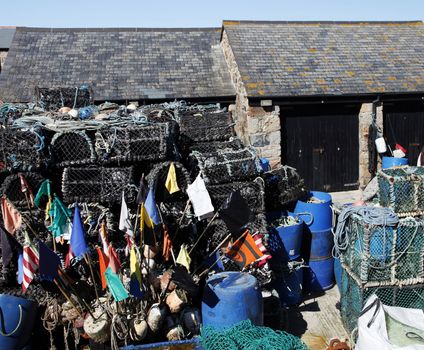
(103, 262)
(11, 217)
(26, 190)
(69, 257)
(262, 248)
(167, 244)
(114, 262)
(244, 251)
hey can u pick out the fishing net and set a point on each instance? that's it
(206, 126)
(244, 336)
(282, 186)
(234, 144)
(72, 148)
(402, 189)
(96, 184)
(355, 295)
(134, 143)
(9, 112)
(22, 150)
(226, 165)
(384, 255)
(52, 99)
(252, 191)
(12, 188)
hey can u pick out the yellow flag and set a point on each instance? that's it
(135, 265)
(171, 180)
(146, 227)
(183, 258)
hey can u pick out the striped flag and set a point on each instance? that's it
(30, 262)
(258, 241)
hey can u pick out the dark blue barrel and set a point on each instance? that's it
(17, 317)
(320, 274)
(230, 297)
(291, 236)
(389, 162)
(289, 286)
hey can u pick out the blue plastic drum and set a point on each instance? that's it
(389, 162)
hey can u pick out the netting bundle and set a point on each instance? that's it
(72, 148)
(51, 99)
(252, 191)
(226, 165)
(282, 186)
(244, 335)
(22, 150)
(98, 184)
(354, 296)
(206, 126)
(133, 143)
(402, 189)
(12, 187)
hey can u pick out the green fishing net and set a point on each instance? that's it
(244, 335)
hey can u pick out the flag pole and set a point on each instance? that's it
(204, 231)
(181, 219)
(68, 298)
(88, 261)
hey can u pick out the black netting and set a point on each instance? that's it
(72, 148)
(51, 99)
(234, 144)
(134, 143)
(206, 126)
(9, 112)
(12, 189)
(282, 186)
(22, 149)
(251, 191)
(226, 165)
(96, 184)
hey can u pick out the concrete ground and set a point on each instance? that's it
(340, 198)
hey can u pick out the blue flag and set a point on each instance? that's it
(49, 262)
(78, 243)
(151, 208)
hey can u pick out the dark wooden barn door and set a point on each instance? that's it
(404, 124)
(322, 143)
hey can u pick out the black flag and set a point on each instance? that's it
(236, 213)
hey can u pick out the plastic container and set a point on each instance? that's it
(265, 164)
(319, 275)
(17, 321)
(320, 214)
(389, 162)
(291, 236)
(231, 297)
(290, 286)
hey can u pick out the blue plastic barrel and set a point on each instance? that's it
(291, 236)
(265, 164)
(389, 162)
(17, 317)
(338, 272)
(318, 230)
(230, 297)
(289, 286)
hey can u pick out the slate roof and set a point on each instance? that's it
(328, 58)
(119, 64)
(6, 36)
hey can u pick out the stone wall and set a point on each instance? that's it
(365, 120)
(254, 125)
(3, 55)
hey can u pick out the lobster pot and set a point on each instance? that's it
(12, 188)
(233, 144)
(23, 150)
(72, 148)
(384, 255)
(282, 186)
(226, 165)
(206, 126)
(402, 189)
(253, 193)
(52, 99)
(97, 184)
(133, 143)
(34, 217)
(353, 296)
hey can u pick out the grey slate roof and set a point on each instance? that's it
(328, 58)
(6, 36)
(118, 63)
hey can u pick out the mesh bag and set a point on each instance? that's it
(354, 295)
(252, 191)
(282, 186)
(402, 189)
(226, 165)
(22, 150)
(385, 255)
(206, 126)
(72, 148)
(244, 335)
(52, 99)
(11, 188)
(96, 184)
(133, 144)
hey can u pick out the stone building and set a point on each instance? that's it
(6, 37)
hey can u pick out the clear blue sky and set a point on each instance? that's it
(200, 13)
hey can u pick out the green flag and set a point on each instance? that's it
(115, 285)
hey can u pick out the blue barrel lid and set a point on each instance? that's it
(232, 281)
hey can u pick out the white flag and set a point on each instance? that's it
(199, 197)
(124, 218)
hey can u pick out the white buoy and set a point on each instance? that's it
(380, 144)
(156, 317)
